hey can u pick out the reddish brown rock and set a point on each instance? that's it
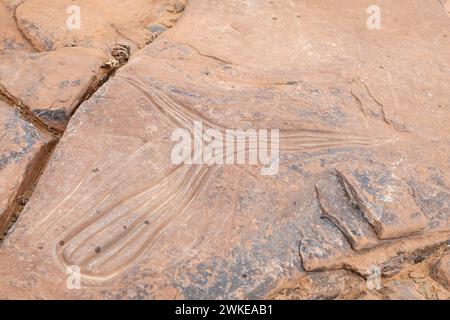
(23, 149)
(336, 206)
(112, 202)
(323, 245)
(11, 4)
(51, 24)
(11, 40)
(384, 198)
(341, 284)
(402, 290)
(441, 271)
(52, 84)
(447, 6)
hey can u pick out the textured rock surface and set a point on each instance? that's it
(101, 23)
(52, 84)
(11, 40)
(327, 285)
(384, 199)
(415, 282)
(336, 206)
(347, 100)
(22, 151)
(441, 271)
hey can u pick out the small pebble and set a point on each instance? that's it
(179, 6)
(157, 28)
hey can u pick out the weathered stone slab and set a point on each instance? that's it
(431, 187)
(336, 206)
(323, 245)
(23, 149)
(327, 285)
(53, 24)
(385, 199)
(138, 226)
(52, 84)
(11, 40)
(441, 271)
(402, 290)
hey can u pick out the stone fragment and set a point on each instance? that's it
(23, 148)
(157, 28)
(385, 200)
(323, 246)
(431, 187)
(441, 271)
(179, 6)
(336, 206)
(52, 84)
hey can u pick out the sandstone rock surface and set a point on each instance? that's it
(52, 84)
(363, 172)
(11, 40)
(22, 151)
(51, 25)
(441, 271)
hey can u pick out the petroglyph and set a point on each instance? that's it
(361, 120)
(125, 228)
